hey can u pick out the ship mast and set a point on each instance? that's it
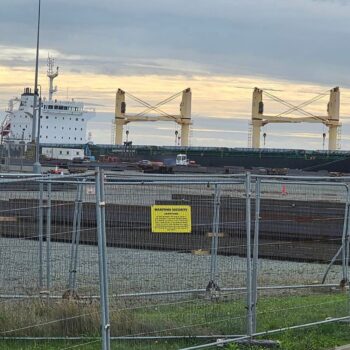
(51, 75)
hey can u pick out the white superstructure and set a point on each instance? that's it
(61, 122)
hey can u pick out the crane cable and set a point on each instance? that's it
(285, 103)
(298, 108)
(306, 103)
(156, 107)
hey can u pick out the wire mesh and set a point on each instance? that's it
(302, 273)
(171, 284)
(261, 255)
(38, 219)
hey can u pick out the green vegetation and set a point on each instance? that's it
(174, 317)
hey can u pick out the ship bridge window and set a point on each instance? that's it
(50, 107)
(47, 117)
(55, 107)
(65, 108)
(60, 107)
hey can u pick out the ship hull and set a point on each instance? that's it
(336, 161)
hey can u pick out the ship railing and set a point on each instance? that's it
(89, 110)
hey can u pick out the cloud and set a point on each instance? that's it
(298, 40)
(154, 48)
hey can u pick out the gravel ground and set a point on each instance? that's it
(132, 270)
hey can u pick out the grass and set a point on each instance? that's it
(186, 317)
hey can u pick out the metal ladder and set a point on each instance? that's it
(339, 131)
(250, 130)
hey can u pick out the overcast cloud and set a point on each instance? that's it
(221, 48)
(303, 40)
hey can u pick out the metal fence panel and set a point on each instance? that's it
(49, 281)
(176, 284)
(79, 259)
(301, 275)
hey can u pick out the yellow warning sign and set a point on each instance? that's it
(171, 219)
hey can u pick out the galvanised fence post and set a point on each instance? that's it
(41, 224)
(77, 237)
(345, 238)
(48, 238)
(255, 253)
(73, 263)
(105, 326)
(213, 283)
(72, 250)
(248, 253)
(104, 260)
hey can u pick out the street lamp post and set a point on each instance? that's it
(35, 133)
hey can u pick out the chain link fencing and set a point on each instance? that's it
(83, 262)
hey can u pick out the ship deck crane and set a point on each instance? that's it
(183, 119)
(331, 121)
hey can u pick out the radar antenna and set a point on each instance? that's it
(51, 75)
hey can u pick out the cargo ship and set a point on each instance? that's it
(247, 158)
(61, 121)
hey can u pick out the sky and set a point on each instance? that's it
(153, 49)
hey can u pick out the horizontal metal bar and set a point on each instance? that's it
(144, 183)
(172, 292)
(335, 184)
(25, 296)
(279, 330)
(169, 337)
(300, 177)
(193, 175)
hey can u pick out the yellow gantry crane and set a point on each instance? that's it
(331, 121)
(183, 119)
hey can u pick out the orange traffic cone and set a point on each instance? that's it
(284, 190)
